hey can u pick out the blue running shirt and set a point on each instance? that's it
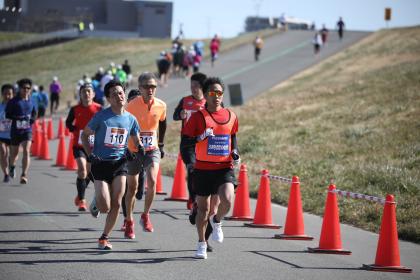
(112, 132)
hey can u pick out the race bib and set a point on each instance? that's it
(91, 139)
(115, 137)
(23, 124)
(148, 138)
(218, 145)
(5, 125)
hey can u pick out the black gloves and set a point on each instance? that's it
(162, 151)
(140, 149)
(71, 128)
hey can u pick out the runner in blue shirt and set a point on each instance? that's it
(23, 114)
(7, 92)
(109, 156)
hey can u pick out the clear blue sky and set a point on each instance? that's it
(202, 18)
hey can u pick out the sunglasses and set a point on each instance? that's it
(149, 86)
(215, 93)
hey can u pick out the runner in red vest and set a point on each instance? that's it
(214, 129)
(77, 119)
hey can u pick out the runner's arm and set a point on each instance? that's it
(70, 119)
(177, 112)
(162, 131)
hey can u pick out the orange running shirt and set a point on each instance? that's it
(148, 116)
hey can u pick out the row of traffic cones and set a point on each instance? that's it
(387, 254)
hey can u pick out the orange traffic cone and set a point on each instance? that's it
(241, 210)
(71, 162)
(179, 187)
(50, 129)
(330, 240)
(60, 131)
(66, 132)
(388, 251)
(36, 139)
(45, 150)
(61, 152)
(159, 189)
(263, 215)
(294, 228)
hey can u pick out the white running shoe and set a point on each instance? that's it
(201, 252)
(217, 234)
(93, 209)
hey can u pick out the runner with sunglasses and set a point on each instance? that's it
(214, 128)
(23, 114)
(151, 116)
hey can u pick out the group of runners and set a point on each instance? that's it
(120, 147)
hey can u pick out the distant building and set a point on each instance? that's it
(260, 23)
(147, 18)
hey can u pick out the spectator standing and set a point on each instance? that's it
(55, 90)
(340, 28)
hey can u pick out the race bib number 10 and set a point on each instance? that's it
(115, 137)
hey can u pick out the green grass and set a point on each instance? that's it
(6, 37)
(354, 118)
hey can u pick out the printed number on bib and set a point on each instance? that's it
(91, 139)
(148, 139)
(218, 145)
(22, 124)
(115, 137)
(5, 125)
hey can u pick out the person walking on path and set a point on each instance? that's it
(7, 92)
(23, 114)
(317, 42)
(76, 121)
(42, 102)
(324, 35)
(258, 44)
(111, 128)
(214, 129)
(340, 28)
(150, 113)
(55, 90)
(214, 49)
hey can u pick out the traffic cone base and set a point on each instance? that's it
(273, 226)
(176, 199)
(401, 269)
(293, 237)
(232, 218)
(161, 193)
(329, 251)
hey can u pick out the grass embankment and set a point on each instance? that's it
(6, 37)
(70, 60)
(354, 118)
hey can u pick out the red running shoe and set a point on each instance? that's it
(123, 227)
(129, 230)
(145, 222)
(82, 205)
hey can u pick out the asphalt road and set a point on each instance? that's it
(42, 236)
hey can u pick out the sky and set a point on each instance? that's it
(204, 18)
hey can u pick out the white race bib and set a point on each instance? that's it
(149, 140)
(5, 125)
(115, 137)
(23, 124)
(91, 139)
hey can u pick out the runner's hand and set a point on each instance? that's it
(141, 150)
(162, 151)
(129, 155)
(208, 132)
(236, 158)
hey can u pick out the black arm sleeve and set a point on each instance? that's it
(178, 109)
(234, 143)
(70, 119)
(162, 130)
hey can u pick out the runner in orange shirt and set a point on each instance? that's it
(151, 116)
